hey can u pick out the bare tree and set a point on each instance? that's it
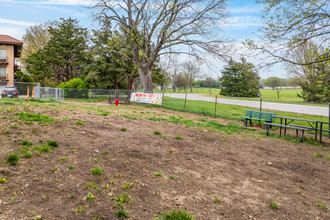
(174, 76)
(183, 81)
(305, 53)
(160, 27)
(209, 81)
(192, 69)
(35, 38)
(290, 24)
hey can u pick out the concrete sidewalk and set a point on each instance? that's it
(302, 109)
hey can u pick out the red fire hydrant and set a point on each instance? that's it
(117, 101)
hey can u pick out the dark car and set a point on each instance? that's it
(9, 92)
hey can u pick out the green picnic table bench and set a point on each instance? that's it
(258, 116)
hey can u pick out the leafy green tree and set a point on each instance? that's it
(317, 86)
(75, 83)
(110, 69)
(275, 83)
(315, 76)
(239, 79)
(64, 56)
(22, 77)
(75, 88)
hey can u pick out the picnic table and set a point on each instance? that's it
(313, 126)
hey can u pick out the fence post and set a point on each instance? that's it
(90, 94)
(260, 104)
(215, 107)
(56, 94)
(329, 122)
(185, 100)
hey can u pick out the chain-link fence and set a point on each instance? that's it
(95, 94)
(48, 93)
(20, 87)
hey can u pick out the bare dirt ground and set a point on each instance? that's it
(212, 175)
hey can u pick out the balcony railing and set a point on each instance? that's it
(3, 78)
(4, 60)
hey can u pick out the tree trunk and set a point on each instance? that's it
(190, 87)
(173, 87)
(148, 81)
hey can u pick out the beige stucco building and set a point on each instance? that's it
(10, 48)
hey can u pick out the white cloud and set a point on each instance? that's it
(16, 32)
(62, 10)
(242, 22)
(249, 8)
(16, 22)
(53, 2)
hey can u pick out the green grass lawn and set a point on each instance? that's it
(267, 95)
(228, 111)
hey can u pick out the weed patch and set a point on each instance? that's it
(13, 159)
(174, 215)
(97, 171)
(35, 117)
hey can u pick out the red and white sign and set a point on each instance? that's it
(151, 98)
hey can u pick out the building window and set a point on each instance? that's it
(2, 54)
(2, 71)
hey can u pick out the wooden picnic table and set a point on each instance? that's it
(312, 124)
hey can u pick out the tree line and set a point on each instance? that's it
(134, 37)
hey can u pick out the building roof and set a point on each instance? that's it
(5, 39)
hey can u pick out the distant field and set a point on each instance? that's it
(267, 95)
(233, 112)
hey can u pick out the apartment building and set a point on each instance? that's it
(10, 48)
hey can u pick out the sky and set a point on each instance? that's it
(244, 22)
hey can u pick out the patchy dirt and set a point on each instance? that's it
(212, 175)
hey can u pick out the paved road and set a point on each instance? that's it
(303, 109)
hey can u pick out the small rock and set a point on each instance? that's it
(96, 151)
(270, 163)
(177, 204)
(260, 181)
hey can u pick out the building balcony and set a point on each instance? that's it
(3, 60)
(3, 78)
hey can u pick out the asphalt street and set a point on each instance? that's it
(303, 109)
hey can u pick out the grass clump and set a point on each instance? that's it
(123, 129)
(35, 117)
(43, 149)
(157, 133)
(176, 215)
(13, 159)
(158, 174)
(97, 171)
(26, 143)
(179, 138)
(121, 213)
(80, 123)
(274, 205)
(52, 143)
(321, 205)
(27, 154)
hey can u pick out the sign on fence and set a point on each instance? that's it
(151, 98)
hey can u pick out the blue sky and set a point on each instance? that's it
(16, 15)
